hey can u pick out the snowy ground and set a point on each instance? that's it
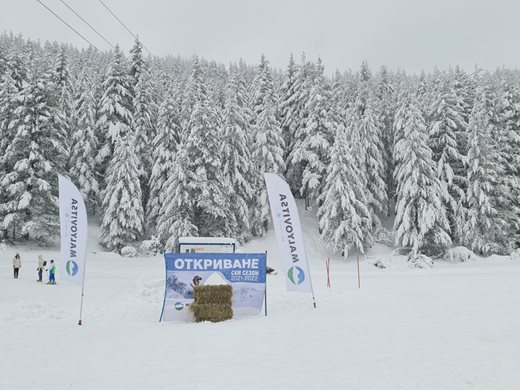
(452, 327)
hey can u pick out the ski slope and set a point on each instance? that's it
(452, 327)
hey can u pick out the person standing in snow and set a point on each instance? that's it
(17, 264)
(41, 264)
(52, 273)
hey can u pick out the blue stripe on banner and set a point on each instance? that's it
(229, 264)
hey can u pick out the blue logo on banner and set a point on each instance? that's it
(179, 306)
(296, 275)
(72, 267)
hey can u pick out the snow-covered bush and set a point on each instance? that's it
(3, 246)
(515, 255)
(401, 251)
(384, 236)
(459, 254)
(128, 251)
(420, 261)
(378, 262)
(151, 247)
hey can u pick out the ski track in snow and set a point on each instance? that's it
(451, 327)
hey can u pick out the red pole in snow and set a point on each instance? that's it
(327, 265)
(358, 274)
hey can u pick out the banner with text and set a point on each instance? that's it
(289, 235)
(73, 229)
(245, 272)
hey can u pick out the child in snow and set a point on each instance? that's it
(52, 273)
(41, 263)
(17, 264)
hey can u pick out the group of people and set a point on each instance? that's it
(42, 265)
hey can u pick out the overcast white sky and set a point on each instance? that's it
(410, 34)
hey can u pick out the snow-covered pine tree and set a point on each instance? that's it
(446, 128)
(9, 102)
(508, 123)
(18, 70)
(13, 80)
(338, 98)
(344, 218)
(143, 107)
(191, 95)
(238, 166)
(365, 74)
(247, 72)
(424, 97)
(122, 199)
(268, 156)
(371, 150)
(351, 86)
(84, 144)
(421, 222)
(263, 86)
(3, 60)
(137, 68)
(364, 88)
(122, 204)
(353, 128)
(465, 91)
(338, 101)
(165, 146)
(115, 111)
(208, 185)
(403, 101)
(386, 111)
(177, 216)
(244, 92)
(288, 104)
(268, 146)
(319, 129)
(295, 161)
(487, 227)
(62, 82)
(36, 155)
(217, 81)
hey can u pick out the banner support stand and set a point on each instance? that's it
(313, 297)
(80, 322)
(265, 289)
(81, 307)
(312, 288)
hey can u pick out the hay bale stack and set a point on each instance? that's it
(213, 294)
(211, 312)
(212, 303)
